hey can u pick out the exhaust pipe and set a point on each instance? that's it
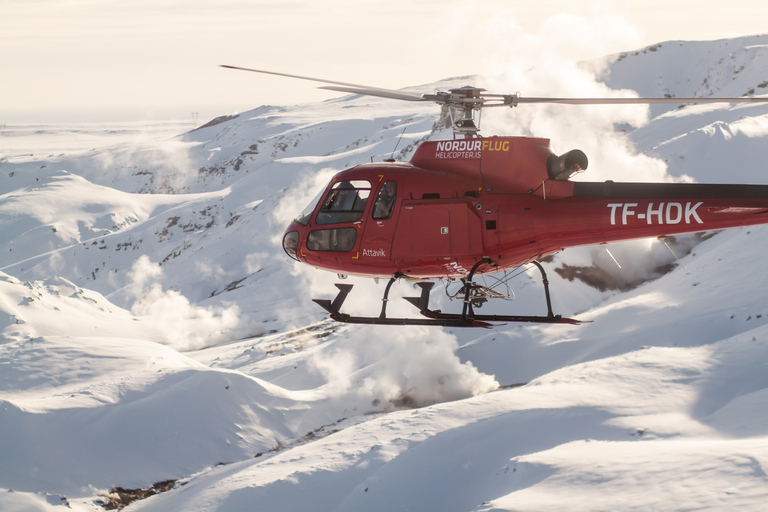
(566, 165)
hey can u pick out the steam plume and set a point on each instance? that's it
(185, 326)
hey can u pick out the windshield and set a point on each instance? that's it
(306, 213)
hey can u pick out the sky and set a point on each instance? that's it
(107, 60)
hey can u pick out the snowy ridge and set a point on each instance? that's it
(730, 68)
(710, 139)
(153, 330)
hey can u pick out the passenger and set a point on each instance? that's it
(386, 200)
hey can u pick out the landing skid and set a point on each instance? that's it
(467, 318)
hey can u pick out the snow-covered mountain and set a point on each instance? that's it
(155, 333)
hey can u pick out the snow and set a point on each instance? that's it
(152, 328)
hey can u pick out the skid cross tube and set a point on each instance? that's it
(334, 309)
(386, 296)
(467, 318)
(545, 282)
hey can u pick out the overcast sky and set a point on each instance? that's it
(80, 60)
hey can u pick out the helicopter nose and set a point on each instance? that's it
(291, 244)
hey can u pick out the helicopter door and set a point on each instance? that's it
(423, 232)
(380, 229)
(437, 231)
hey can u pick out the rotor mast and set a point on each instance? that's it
(467, 100)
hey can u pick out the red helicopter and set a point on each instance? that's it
(479, 205)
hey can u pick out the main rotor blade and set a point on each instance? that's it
(514, 100)
(456, 98)
(344, 86)
(374, 91)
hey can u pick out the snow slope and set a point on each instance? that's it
(153, 330)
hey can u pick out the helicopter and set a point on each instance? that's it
(473, 205)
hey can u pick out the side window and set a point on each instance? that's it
(337, 240)
(385, 202)
(345, 202)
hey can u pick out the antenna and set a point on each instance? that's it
(392, 158)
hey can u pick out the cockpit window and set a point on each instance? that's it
(337, 240)
(345, 202)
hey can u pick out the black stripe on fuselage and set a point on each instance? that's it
(666, 190)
